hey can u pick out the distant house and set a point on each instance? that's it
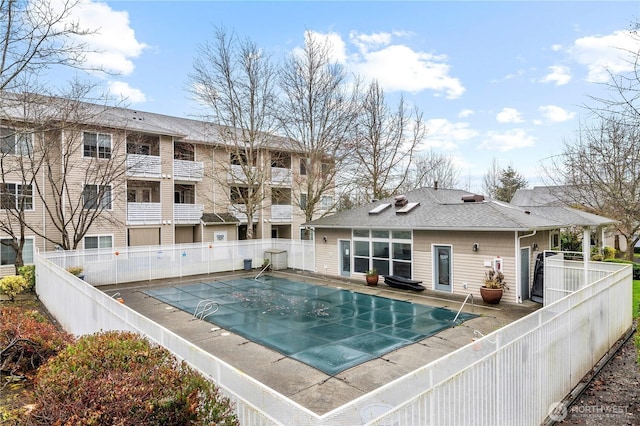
(563, 195)
(446, 238)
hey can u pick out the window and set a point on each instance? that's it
(184, 194)
(138, 195)
(238, 194)
(303, 166)
(96, 197)
(280, 160)
(15, 143)
(8, 254)
(16, 196)
(240, 158)
(303, 201)
(184, 151)
(383, 250)
(97, 145)
(98, 241)
(326, 203)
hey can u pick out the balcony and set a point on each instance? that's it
(240, 213)
(188, 170)
(143, 166)
(281, 213)
(280, 176)
(144, 214)
(236, 174)
(184, 214)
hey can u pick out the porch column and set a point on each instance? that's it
(586, 252)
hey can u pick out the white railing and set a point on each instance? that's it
(239, 211)
(281, 213)
(281, 176)
(144, 213)
(501, 378)
(187, 213)
(188, 170)
(143, 165)
(128, 264)
(237, 174)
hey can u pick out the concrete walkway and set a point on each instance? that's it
(306, 385)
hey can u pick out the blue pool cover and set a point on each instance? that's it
(327, 328)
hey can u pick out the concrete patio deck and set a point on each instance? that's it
(301, 383)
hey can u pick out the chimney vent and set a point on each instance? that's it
(401, 201)
(475, 198)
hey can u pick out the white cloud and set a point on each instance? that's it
(555, 113)
(122, 90)
(509, 115)
(559, 74)
(397, 67)
(444, 134)
(114, 43)
(604, 54)
(506, 141)
(337, 46)
(466, 113)
(556, 47)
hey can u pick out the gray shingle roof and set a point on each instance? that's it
(444, 209)
(218, 218)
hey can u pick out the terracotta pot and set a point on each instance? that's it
(372, 280)
(491, 296)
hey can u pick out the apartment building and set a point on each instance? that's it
(153, 179)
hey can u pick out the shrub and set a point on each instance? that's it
(75, 270)
(28, 272)
(608, 252)
(12, 285)
(636, 266)
(121, 378)
(27, 340)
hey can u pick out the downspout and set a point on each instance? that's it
(519, 262)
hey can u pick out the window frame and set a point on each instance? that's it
(98, 149)
(21, 145)
(98, 239)
(16, 195)
(27, 256)
(99, 201)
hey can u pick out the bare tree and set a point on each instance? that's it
(35, 35)
(432, 168)
(235, 81)
(318, 114)
(600, 169)
(385, 143)
(44, 153)
(491, 180)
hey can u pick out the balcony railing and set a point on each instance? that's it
(240, 213)
(188, 170)
(281, 213)
(144, 213)
(143, 165)
(280, 176)
(187, 213)
(236, 174)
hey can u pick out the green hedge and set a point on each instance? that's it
(636, 266)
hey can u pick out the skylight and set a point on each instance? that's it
(380, 208)
(406, 209)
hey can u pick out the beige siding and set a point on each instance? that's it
(327, 254)
(209, 232)
(144, 236)
(166, 190)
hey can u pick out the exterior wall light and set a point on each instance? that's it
(475, 247)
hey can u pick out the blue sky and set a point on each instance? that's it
(503, 80)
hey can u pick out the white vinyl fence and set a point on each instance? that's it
(129, 264)
(511, 376)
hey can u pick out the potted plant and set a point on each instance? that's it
(77, 271)
(494, 286)
(372, 277)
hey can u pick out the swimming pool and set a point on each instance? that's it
(327, 328)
